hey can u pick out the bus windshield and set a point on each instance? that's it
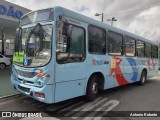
(33, 47)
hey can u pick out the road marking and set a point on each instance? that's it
(90, 107)
(77, 108)
(83, 106)
(114, 104)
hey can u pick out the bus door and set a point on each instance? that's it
(70, 70)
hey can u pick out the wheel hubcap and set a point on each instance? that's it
(2, 66)
(143, 78)
(95, 88)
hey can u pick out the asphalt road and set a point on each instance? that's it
(5, 84)
(126, 98)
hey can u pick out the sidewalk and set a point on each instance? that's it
(5, 85)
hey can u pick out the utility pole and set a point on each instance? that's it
(3, 40)
(112, 20)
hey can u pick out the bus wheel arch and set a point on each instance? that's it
(95, 82)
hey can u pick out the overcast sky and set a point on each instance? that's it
(145, 23)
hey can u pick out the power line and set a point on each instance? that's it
(119, 13)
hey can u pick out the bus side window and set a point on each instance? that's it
(140, 48)
(71, 49)
(115, 44)
(130, 45)
(97, 40)
(154, 51)
(148, 50)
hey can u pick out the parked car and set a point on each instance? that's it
(4, 62)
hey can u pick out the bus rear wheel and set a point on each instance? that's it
(92, 88)
(143, 78)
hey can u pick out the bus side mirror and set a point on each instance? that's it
(65, 27)
(69, 31)
(18, 39)
(62, 25)
(69, 39)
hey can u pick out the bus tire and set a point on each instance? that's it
(92, 88)
(143, 78)
(2, 66)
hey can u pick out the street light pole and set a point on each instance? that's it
(2, 41)
(97, 14)
(112, 20)
(102, 17)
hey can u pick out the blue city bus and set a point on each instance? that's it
(60, 54)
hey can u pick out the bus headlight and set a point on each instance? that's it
(41, 82)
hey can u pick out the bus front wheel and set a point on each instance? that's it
(92, 88)
(143, 78)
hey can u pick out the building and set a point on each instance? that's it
(9, 20)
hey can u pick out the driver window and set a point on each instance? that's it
(71, 49)
(31, 46)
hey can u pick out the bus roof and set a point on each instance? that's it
(88, 20)
(92, 21)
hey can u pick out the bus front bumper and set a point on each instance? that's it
(44, 94)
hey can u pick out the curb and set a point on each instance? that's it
(9, 97)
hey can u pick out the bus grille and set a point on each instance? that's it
(24, 89)
(21, 81)
(26, 74)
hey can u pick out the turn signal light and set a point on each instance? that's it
(40, 95)
(47, 76)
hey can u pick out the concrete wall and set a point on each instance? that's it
(10, 22)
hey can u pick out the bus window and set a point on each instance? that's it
(154, 51)
(140, 48)
(97, 40)
(115, 43)
(129, 47)
(71, 49)
(148, 50)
